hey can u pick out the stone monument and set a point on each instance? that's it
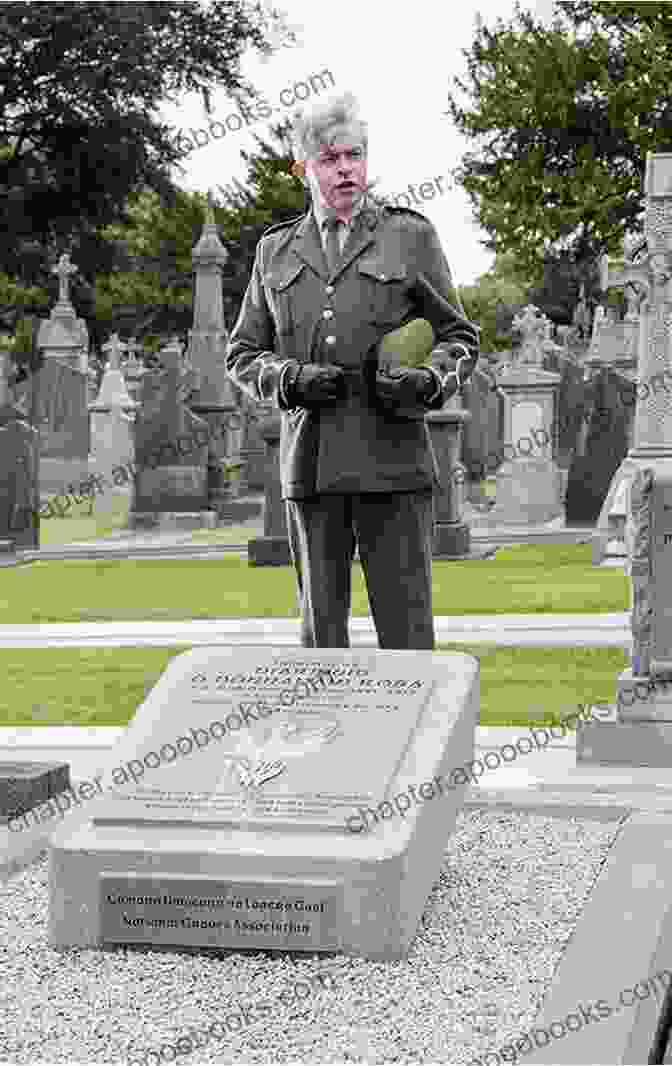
(133, 370)
(19, 466)
(171, 453)
(619, 343)
(63, 335)
(640, 733)
(213, 397)
(529, 483)
(255, 801)
(112, 417)
(63, 390)
(272, 548)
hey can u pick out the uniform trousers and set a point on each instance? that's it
(394, 534)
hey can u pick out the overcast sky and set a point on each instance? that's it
(399, 63)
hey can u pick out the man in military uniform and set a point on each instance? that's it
(356, 460)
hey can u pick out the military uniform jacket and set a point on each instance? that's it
(294, 310)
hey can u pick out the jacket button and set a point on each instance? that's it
(329, 290)
(327, 314)
(329, 340)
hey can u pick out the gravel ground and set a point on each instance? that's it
(511, 889)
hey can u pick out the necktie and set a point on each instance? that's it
(332, 249)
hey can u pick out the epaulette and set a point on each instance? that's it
(406, 211)
(282, 225)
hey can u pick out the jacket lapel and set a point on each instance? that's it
(361, 237)
(308, 246)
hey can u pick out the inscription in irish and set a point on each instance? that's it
(210, 912)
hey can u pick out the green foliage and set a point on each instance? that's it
(13, 294)
(158, 237)
(492, 302)
(559, 157)
(81, 85)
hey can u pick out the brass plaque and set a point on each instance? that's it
(210, 912)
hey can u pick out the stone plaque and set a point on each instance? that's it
(210, 913)
(256, 801)
(661, 572)
(290, 743)
(527, 418)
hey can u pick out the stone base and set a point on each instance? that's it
(450, 539)
(255, 470)
(637, 731)
(607, 529)
(24, 785)
(269, 551)
(56, 474)
(624, 744)
(529, 492)
(642, 700)
(169, 520)
(367, 884)
(8, 553)
(240, 510)
(171, 488)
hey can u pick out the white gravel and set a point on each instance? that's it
(511, 890)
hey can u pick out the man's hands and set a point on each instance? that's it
(316, 386)
(404, 388)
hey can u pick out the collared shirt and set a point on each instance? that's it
(343, 229)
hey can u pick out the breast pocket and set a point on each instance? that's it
(385, 288)
(282, 295)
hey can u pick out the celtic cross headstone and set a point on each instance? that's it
(641, 733)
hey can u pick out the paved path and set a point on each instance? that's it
(528, 630)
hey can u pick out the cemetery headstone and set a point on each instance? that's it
(171, 452)
(62, 384)
(112, 447)
(529, 484)
(608, 426)
(271, 549)
(214, 399)
(641, 733)
(274, 819)
(133, 370)
(19, 462)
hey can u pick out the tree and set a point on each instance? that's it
(153, 266)
(563, 118)
(80, 86)
(492, 302)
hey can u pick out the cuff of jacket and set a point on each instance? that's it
(438, 386)
(460, 349)
(284, 400)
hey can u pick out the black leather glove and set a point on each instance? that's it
(404, 388)
(313, 385)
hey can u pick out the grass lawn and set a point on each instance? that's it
(104, 686)
(522, 579)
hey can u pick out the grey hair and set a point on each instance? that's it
(310, 129)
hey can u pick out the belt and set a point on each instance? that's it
(354, 379)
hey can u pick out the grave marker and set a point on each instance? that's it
(263, 810)
(641, 735)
